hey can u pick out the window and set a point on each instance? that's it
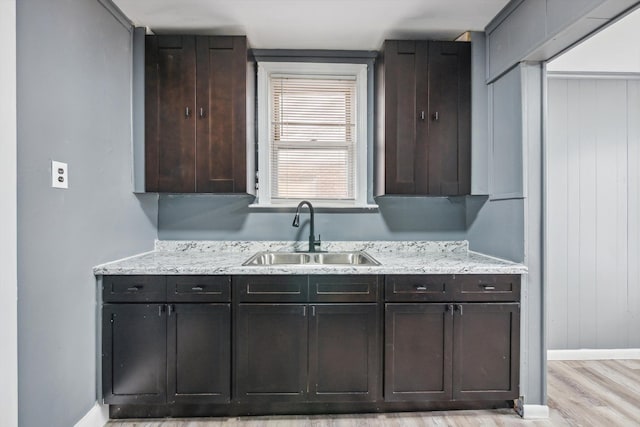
(312, 136)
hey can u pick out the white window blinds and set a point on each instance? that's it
(313, 137)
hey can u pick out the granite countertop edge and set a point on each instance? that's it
(218, 258)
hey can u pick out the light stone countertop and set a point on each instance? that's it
(226, 257)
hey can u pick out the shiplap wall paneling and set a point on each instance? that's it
(633, 245)
(592, 286)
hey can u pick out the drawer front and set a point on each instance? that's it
(427, 287)
(198, 288)
(488, 287)
(142, 288)
(336, 288)
(272, 288)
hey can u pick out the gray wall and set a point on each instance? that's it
(496, 226)
(217, 217)
(74, 105)
(8, 219)
(593, 205)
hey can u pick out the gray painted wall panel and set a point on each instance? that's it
(537, 30)
(509, 41)
(534, 379)
(497, 227)
(74, 105)
(216, 217)
(479, 116)
(8, 219)
(505, 158)
(512, 228)
(593, 167)
(561, 12)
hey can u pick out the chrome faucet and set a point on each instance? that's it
(296, 223)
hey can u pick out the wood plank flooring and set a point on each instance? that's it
(581, 393)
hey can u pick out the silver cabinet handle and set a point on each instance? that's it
(422, 115)
(488, 287)
(436, 116)
(201, 113)
(197, 288)
(187, 112)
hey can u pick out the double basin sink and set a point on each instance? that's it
(311, 258)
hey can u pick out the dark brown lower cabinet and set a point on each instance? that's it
(300, 352)
(134, 347)
(199, 353)
(486, 351)
(451, 351)
(344, 352)
(308, 343)
(166, 353)
(418, 350)
(271, 358)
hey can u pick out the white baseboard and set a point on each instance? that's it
(535, 412)
(97, 416)
(594, 354)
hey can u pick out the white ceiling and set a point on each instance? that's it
(314, 24)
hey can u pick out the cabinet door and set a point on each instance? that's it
(418, 351)
(486, 351)
(170, 119)
(404, 100)
(271, 352)
(344, 349)
(134, 351)
(199, 353)
(221, 110)
(449, 120)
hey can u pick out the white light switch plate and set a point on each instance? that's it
(59, 175)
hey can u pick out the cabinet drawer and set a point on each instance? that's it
(428, 287)
(198, 288)
(488, 287)
(142, 288)
(343, 288)
(272, 288)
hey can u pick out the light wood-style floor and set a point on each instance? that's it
(581, 393)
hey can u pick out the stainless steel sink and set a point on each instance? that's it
(308, 258)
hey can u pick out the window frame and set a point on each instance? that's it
(266, 69)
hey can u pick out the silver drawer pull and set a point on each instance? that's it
(488, 287)
(197, 288)
(420, 287)
(135, 288)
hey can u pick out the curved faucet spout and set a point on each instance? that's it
(296, 223)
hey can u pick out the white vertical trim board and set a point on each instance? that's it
(535, 412)
(594, 354)
(97, 416)
(8, 218)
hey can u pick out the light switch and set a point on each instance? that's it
(59, 175)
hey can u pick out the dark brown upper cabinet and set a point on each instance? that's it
(424, 118)
(195, 114)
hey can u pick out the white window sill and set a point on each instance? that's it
(316, 206)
